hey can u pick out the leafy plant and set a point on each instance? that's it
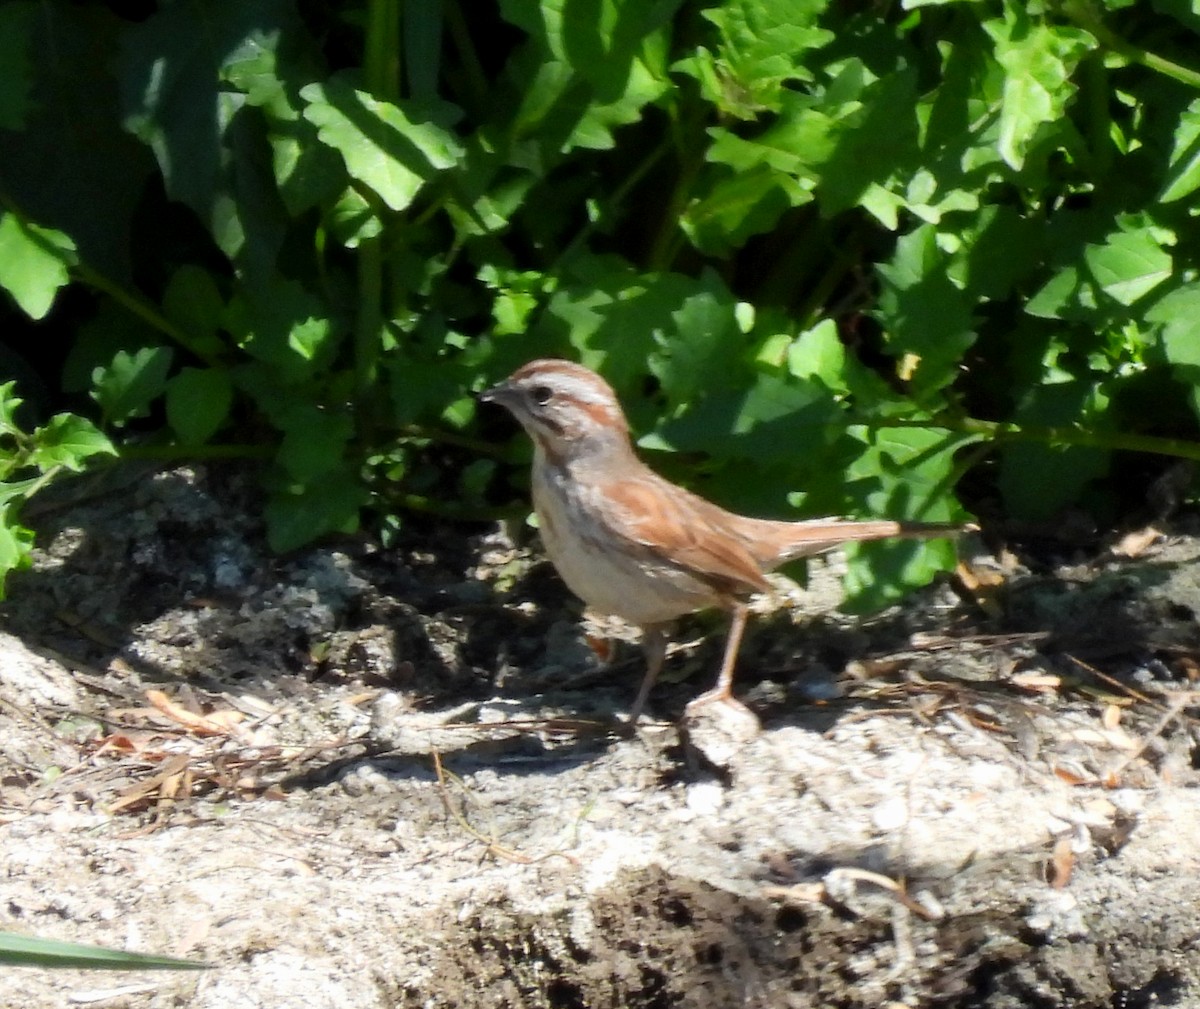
(29, 951)
(30, 460)
(831, 257)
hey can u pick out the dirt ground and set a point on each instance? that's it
(358, 777)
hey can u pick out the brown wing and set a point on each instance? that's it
(684, 530)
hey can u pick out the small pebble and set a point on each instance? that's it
(891, 814)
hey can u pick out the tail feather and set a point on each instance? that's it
(775, 543)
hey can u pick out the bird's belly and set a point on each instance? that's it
(610, 576)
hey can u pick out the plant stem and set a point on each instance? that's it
(172, 453)
(418, 432)
(144, 310)
(382, 72)
(381, 62)
(369, 327)
(473, 74)
(442, 509)
(612, 204)
(1001, 431)
(133, 302)
(692, 159)
(845, 255)
(1084, 14)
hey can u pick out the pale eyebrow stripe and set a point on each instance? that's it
(583, 390)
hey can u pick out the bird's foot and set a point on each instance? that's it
(728, 708)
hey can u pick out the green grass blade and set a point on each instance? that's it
(29, 951)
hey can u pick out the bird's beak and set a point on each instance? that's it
(502, 393)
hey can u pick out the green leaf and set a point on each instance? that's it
(1066, 295)
(1000, 248)
(18, 490)
(927, 319)
(734, 205)
(1038, 60)
(801, 139)
(73, 167)
(761, 48)
(1038, 480)
(126, 387)
(586, 70)
(601, 42)
(393, 149)
(843, 144)
(876, 139)
(314, 441)
(111, 329)
(16, 65)
(1183, 166)
(881, 574)
(198, 402)
(776, 420)
(307, 172)
(703, 347)
(518, 294)
(819, 355)
(421, 389)
(1129, 265)
(281, 323)
(34, 263)
(1178, 312)
(611, 313)
(24, 950)
(902, 473)
(193, 302)
(620, 321)
(298, 514)
(16, 545)
(9, 402)
(352, 219)
(474, 479)
(206, 138)
(67, 440)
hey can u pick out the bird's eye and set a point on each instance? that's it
(541, 394)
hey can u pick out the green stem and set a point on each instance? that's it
(42, 480)
(477, 446)
(369, 329)
(135, 304)
(382, 72)
(1084, 14)
(616, 199)
(381, 61)
(692, 157)
(476, 79)
(1097, 119)
(845, 255)
(175, 453)
(442, 509)
(1001, 431)
(1165, 66)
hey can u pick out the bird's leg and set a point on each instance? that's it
(654, 647)
(723, 691)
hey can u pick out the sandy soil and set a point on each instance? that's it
(356, 777)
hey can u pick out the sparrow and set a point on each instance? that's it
(632, 544)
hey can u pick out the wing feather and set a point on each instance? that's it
(684, 530)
